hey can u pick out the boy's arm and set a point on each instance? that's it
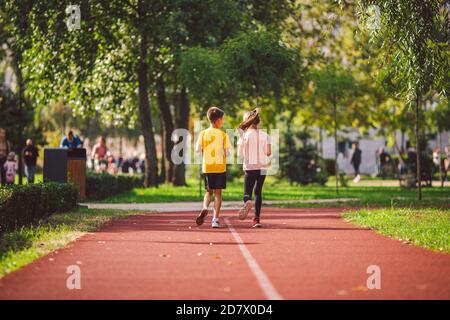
(227, 145)
(198, 145)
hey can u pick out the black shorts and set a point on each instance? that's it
(215, 180)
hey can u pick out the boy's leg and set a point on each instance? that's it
(206, 201)
(217, 202)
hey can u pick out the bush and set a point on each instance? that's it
(101, 186)
(22, 205)
(301, 165)
(234, 172)
(330, 166)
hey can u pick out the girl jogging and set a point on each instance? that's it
(254, 147)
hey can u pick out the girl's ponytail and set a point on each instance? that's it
(252, 119)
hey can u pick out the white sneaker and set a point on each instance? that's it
(243, 212)
(357, 179)
(215, 223)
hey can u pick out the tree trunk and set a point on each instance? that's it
(168, 127)
(336, 167)
(121, 146)
(418, 151)
(182, 121)
(21, 110)
(151, 168)
(162, 169)
(321, 142)
(402, 148)
(441, 174)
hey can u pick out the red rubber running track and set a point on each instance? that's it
(300, 254)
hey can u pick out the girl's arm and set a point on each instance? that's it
(241, 147)
(269, 145)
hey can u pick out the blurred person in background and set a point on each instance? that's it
(356, 160)
(71, 141)
(30, 155)
(11, 168)
(100, 153)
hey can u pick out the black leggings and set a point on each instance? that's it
(253, 182)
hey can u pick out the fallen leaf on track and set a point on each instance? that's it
(360, 288)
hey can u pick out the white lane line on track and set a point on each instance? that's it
(267, 287)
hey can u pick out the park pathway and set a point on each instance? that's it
(300, 254)
(195, 206)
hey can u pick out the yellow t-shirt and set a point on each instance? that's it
(213, 143)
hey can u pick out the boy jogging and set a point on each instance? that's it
(255, 148)
(214, 145)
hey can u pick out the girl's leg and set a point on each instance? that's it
(258, 193)
(249, 184)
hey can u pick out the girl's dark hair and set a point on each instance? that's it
(252, 119)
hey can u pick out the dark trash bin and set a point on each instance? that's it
(66, 165)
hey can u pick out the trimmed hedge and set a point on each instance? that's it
(22, 205)
(101, 186)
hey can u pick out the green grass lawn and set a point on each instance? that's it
(426, 227)
(280, 190)
(20, 247)
(38, 178)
